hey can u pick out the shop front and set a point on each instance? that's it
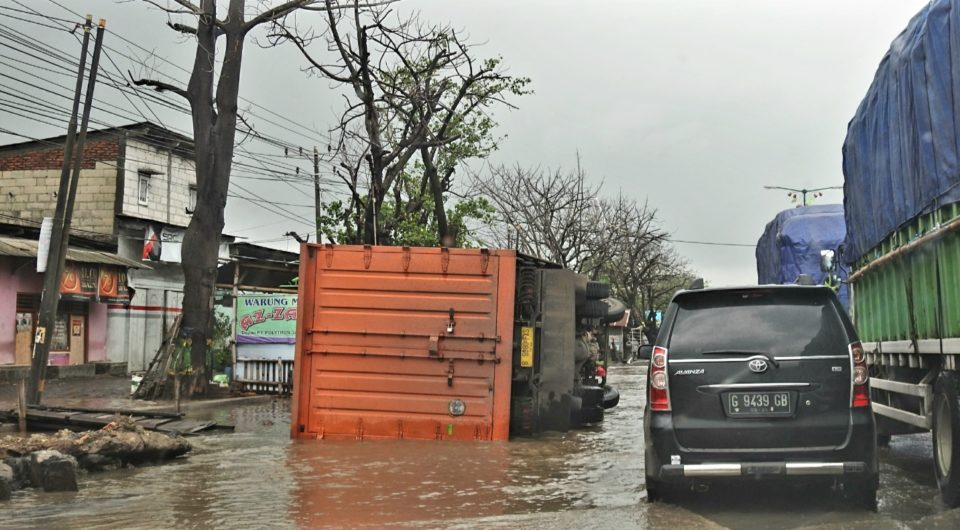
(87, 287)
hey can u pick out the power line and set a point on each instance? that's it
(711, 243)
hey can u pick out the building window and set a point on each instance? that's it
(143, 187)
(192, 201)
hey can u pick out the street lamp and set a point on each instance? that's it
(803, 191)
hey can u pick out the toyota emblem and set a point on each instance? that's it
(757, 366)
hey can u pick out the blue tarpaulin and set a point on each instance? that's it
(900, 157)
(791, 245)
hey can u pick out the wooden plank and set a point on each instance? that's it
(123, 412)
(94, 419)
(186, 426)
(153, 424)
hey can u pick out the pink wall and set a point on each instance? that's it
(16, 276)
(8, 312)
(97, 333)
(20, 276)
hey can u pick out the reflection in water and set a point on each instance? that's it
(258, 478)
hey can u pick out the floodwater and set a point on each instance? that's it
(258, 478)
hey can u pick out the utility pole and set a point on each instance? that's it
(316, 191)
(60, 236)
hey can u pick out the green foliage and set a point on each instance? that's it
(462, 217)
(219, 351)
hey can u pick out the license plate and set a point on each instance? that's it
(758, 403)
(526, 347)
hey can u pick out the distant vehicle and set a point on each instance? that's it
(796, 241)
(765, 382)
(902, 207)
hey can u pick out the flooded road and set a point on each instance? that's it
(258, 478)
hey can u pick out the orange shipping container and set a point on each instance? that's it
(398, 342)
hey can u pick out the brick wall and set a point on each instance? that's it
(30, 180)
(93, 151)
(171, 176)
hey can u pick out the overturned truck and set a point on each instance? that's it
(446, 343)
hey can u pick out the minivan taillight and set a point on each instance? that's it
(860, 376)
(659, 395)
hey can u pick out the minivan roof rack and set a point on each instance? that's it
(695, 284)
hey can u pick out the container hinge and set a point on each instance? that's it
(406, 259)
(329, 255)
(484, 259)
(444, 259)
(301, 428)
(367, 256)
(434, 346)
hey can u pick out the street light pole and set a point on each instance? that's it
(803, 191)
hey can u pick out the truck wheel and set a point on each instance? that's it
(597, 290)
(946, 437)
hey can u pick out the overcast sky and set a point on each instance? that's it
(693, 106)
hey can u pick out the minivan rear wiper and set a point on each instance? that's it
(751, 353)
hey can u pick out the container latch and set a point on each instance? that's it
(452, 323)
(367, 256)
(406, 259)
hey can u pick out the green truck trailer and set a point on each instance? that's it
(902, 210)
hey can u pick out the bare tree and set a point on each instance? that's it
(414, 93)
(559, 216)
(551, 214)
(212, 93)
(636, 254)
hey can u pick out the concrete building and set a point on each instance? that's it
(136, 193)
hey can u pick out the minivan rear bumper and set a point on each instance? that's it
(743, 469)
(668, 461)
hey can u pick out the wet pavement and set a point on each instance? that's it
(258, 478)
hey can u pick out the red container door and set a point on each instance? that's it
(410, 343)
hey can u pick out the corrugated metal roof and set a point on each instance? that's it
(27, 248)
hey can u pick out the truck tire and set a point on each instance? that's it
(946, 437)
(592, 309)
(597, 290)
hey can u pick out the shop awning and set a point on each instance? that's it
(27, 248)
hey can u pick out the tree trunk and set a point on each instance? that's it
(214, 127)
(437, 189)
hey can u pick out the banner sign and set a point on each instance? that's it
(164, 243)
(267, 319)
(79, 281)
(92, 282)
(112, 287)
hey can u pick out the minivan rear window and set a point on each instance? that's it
(778, 323)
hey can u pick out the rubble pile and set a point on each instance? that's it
(51, 461)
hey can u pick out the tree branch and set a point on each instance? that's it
(160, 86)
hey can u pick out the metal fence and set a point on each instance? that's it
(265, 376)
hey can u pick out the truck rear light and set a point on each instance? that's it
(659, 391)
(860, 377)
